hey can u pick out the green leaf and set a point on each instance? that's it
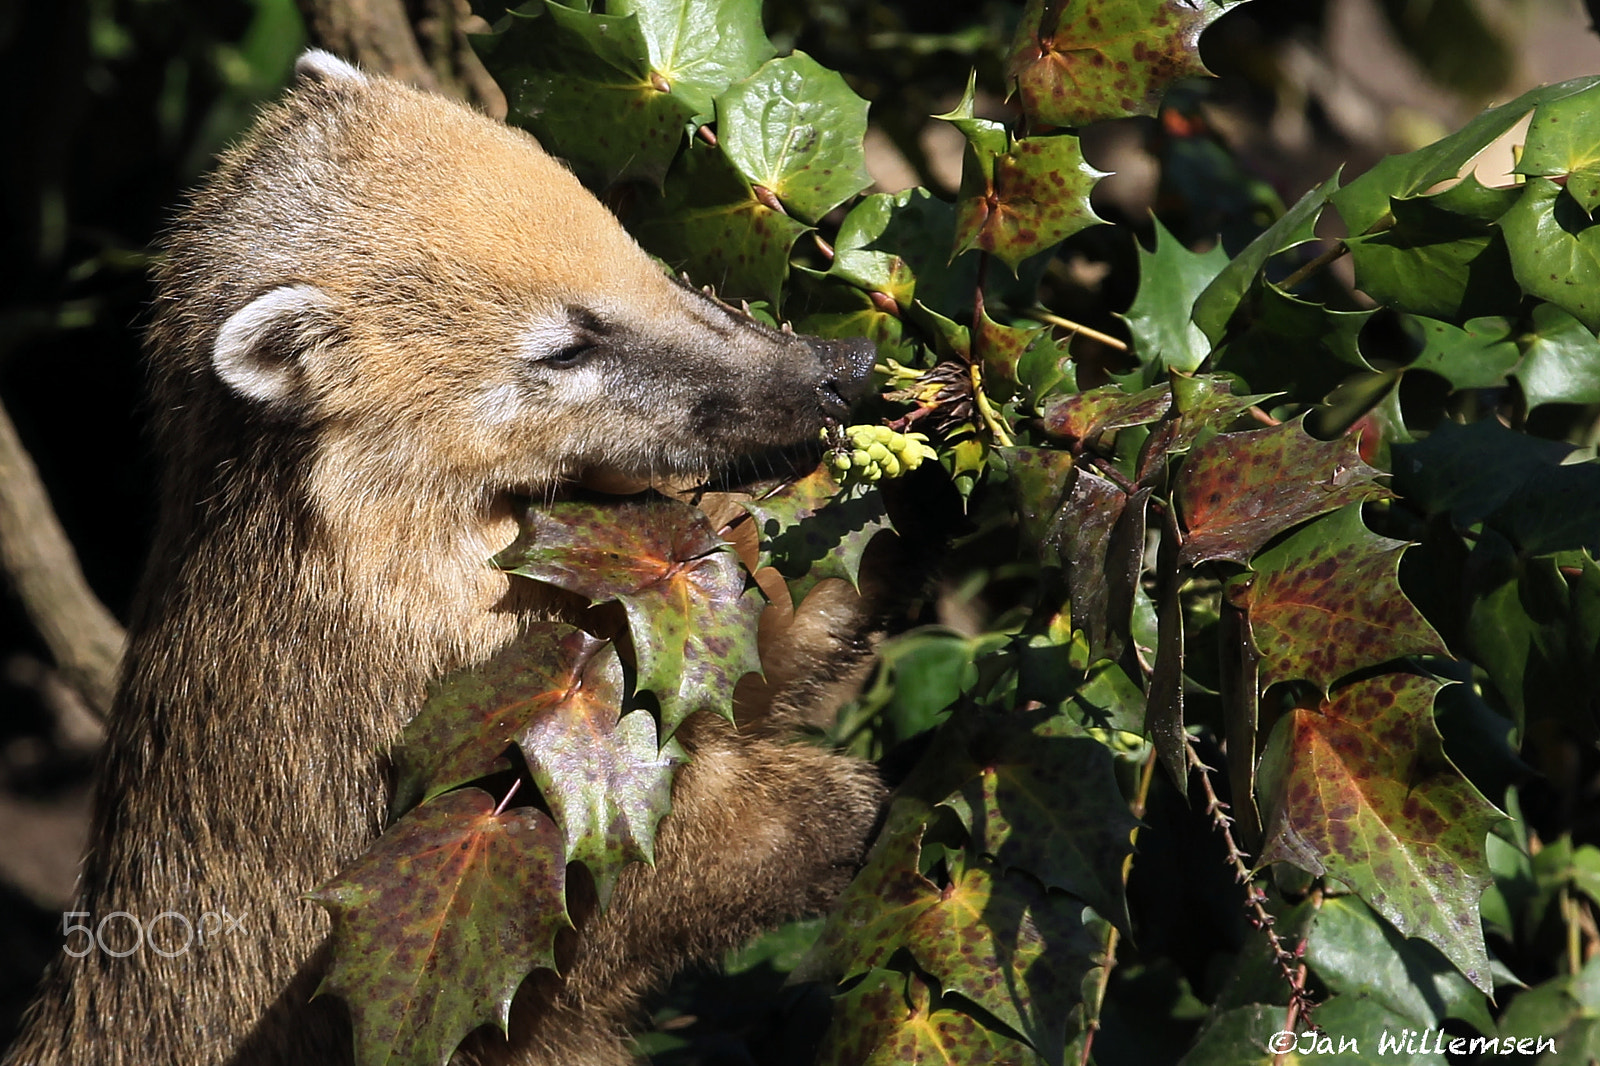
(1217, 301)
(1100, 59)
(1561, 361)
(1000, 349)
(1356, 953)
(1563, 140)
(1469, 471)
(1293, 346)
(1032, 198)
(985, 135)
(1050, 805)
(899, 244)
(1555, 250)
(796, 128)
(438, 923)
(889, 1019)
(811, 530)
(471, 717)
(1478, 355)
(1171, 278)
(965, 934)
(699, 47)
(1237, 491)
(582, 84)
(692, 616)
(710, 225)
(1364, 202)
(1436, 261)
(1559, 1019)
(1359, 788)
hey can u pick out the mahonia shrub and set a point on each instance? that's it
(1276, 610)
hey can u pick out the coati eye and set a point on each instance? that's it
(571, 355)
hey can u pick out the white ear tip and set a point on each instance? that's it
(318, 65)
(244, 356)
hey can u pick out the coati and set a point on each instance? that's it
(380, 321)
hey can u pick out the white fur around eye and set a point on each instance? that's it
(249, 354)
(545, 337)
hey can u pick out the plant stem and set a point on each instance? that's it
(991, 417)
(1039, 314)
(1331, 255)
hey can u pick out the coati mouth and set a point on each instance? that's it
(749, 473)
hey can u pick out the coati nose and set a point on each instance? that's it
(848, 364)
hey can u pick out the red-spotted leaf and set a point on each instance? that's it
(1082, 62)
(1050, 805)
(1326, 602)
(1000, 348)
(691, 611)
(471, 717)
(1359, 788)
(608, 782)
(889, 1019)
(1031, 198)
(1019, 953)
(1239, 490)
(811, 529)
(438, 923)
(1085, 415)
(1039, 479)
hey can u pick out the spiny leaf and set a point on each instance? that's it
(1555, 250)
(438, 923)
(1084, 416)
(699, 47)
(710, 224)
(1326, 602)
(1079, 63)
(796, 128)
(1469, 471)
(1000, 348)
(1031, 198)
(812, 530)
(1239, 490)
(1563, 140)
(1561, 362)
(614, 93)
(1365, 201)
(1205, 405)
(1171, 278)
(899, 244)
(889, 1020)
(471, 717)
(608, 782)
(1359, 788)
(1050, 805)
(1325, 343)
(965, 934)
(1438, 260)
(1218, 300)
(1356, 953)
(692, 616)
(1477, 355)
(984, 135)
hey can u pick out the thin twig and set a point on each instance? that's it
(35, 555)
(1039, 314)
(1290, 963)
(1331, 255)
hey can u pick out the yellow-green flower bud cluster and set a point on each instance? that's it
(868, 453)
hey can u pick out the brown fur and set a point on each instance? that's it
(321, 555)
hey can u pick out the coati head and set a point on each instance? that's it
(436, 298)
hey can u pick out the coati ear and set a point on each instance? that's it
(317, 65)
(258, 350)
